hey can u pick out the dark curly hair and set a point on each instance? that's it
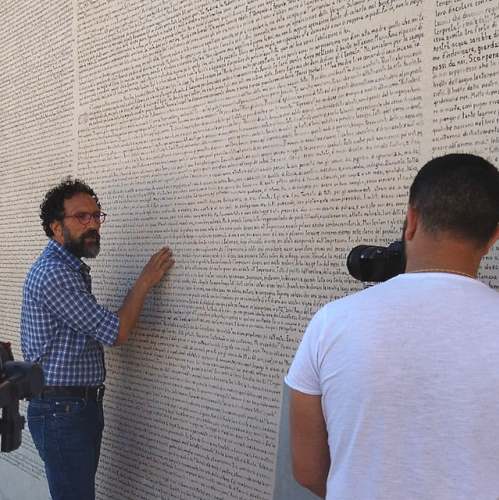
(458, 193)
(52, 207)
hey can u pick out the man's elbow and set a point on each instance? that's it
(309, 479)
(302, 479)
(122, 336)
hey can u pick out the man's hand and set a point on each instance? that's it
(159, 264)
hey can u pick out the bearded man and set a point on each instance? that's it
(64, 329)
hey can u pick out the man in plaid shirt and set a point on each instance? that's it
(64, 329)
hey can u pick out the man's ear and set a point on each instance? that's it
(56, 227)
(493, 240)
(412, 223)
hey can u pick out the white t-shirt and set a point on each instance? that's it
(408, 371)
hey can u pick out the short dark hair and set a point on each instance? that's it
(458, 193)
(52, 207)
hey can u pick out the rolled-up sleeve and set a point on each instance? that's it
(66, 297)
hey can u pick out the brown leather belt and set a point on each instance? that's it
(73, 391)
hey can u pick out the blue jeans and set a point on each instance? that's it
(67, 433)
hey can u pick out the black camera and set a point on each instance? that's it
(18, 380)
(371, 263)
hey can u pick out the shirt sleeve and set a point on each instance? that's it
(66, 297)
(303, 375)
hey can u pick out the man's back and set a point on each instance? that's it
(409, 376)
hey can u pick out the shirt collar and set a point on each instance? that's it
(66, 256)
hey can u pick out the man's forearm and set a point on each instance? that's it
(152, 273)
(131, 308)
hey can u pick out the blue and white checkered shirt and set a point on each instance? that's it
(62, 326)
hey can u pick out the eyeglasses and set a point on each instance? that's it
(84, 218)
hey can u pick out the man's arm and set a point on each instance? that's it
(309, 446)
(159, 264)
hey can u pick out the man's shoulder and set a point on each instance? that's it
(334, 310)
(353, 299)
(49, 269)
(406, 289)
(341, 308)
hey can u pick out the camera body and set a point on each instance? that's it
(18, 380)
(374, 263)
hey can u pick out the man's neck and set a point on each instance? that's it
(451, 256)
(67, 250)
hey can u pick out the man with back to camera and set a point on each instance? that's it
(394, 389)
(64, 329)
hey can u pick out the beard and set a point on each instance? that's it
(86, 245)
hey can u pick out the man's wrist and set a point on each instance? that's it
(142, 285)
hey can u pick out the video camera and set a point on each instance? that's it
(18, 380)
(375, 264)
